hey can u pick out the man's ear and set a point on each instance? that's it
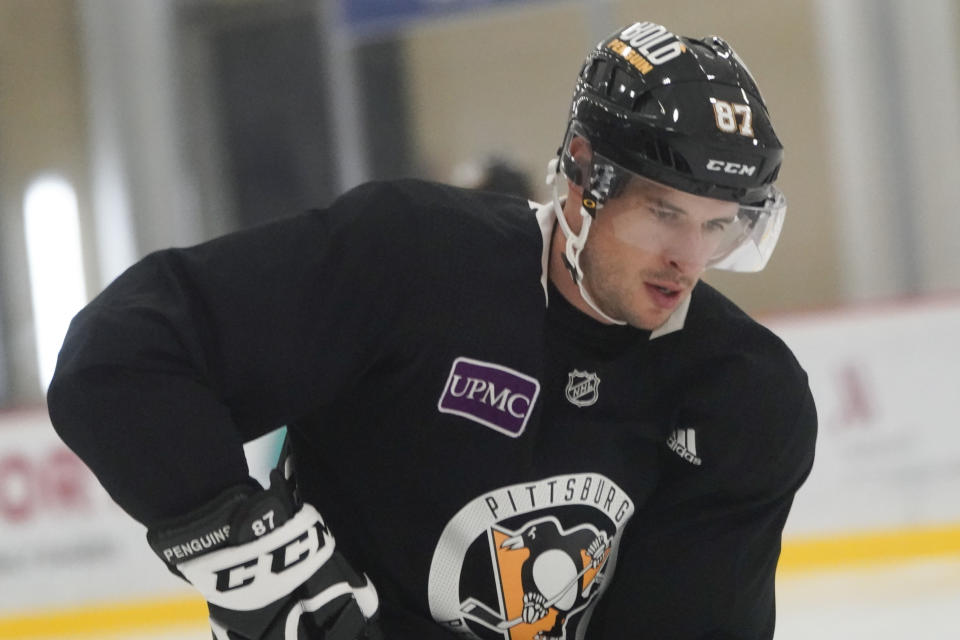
(582, 154)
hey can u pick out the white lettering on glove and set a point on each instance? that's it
(252, 575)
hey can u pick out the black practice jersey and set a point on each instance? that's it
(473, 441)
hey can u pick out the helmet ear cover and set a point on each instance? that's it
(580, 166)
(574, 170)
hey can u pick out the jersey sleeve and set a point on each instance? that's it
(699, 561)
(191, 352)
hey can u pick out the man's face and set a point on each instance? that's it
(648, 247)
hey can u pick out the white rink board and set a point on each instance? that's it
(65, 542)
(887, 386)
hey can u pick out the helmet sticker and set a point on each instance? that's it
(645, 45)
(733, 117)
(640, 63)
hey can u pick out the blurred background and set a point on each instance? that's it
(132, 125)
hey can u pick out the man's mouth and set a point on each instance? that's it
(664, 296)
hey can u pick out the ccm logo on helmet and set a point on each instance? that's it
(731, 167)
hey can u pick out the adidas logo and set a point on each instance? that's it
(683, 442)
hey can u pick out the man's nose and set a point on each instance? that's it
(686, 251)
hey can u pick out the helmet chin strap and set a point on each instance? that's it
(575, 242)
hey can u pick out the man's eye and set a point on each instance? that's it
(717, 225)
(664, 214)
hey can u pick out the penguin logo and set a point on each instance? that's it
(529, 561)
(545, 574)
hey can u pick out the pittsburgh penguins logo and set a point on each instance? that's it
(528, 562)
(545, 574)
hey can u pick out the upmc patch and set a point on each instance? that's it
(493, 395)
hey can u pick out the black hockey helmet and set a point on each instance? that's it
(686, 113)
(681, 112)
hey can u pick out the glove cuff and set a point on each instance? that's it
(202, 530)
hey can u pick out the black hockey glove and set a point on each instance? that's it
(268, 568)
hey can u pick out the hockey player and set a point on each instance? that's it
(477, 389)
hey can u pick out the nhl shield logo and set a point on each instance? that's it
(582, 388)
